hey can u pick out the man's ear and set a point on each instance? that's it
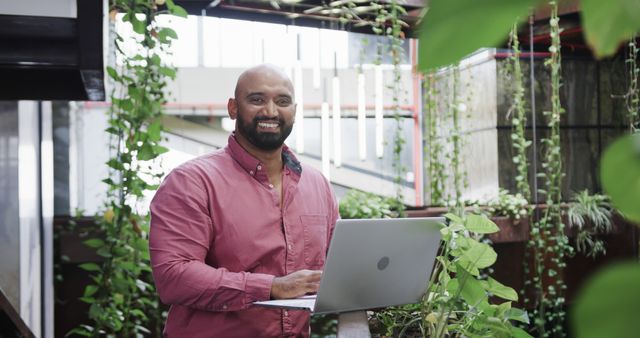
(232, 108)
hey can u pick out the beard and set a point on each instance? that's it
(264, 140)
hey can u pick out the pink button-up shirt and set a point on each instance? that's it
(219, 237)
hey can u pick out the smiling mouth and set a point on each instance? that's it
(268, 125)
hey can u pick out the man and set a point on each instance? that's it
(243, 224)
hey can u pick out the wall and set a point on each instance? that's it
(9, 217)
(592, 94)
(476, 90)
(55, 8)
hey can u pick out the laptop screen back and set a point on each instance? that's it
(375, 263)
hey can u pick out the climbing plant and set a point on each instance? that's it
(455, 139)
(633, 97)
(434, 149)
(122, 298)
(385, 19)
(457, 301)
(396, 38)
(548, 242)
(519, 118)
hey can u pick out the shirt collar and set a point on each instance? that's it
(256, 168)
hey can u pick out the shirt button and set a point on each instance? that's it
(286, 313)
(224, 307)
(259, 167)
(251, 172)
(289, 246)
(271, 186)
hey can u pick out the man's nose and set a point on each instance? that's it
(271, 109)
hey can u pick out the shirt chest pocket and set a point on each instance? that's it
(315, 239)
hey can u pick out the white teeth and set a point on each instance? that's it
(267, 125)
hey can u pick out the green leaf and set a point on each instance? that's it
(90, 267)
(452, 29)
(154, 130)
(155, 59)
(502, 308)
(79, 331)
(160, 149)
(138, 25)
(480, 224)
(168, 71)
(165, 34)
(500, 290)
(480, 255)
(609, 303)
(609, 23)
(178, 11)
(139, 314)
(90, 290)
(518, 315)
(620, 175)
(94, 243)
(115, 164)
(104, 252)
(470, 288)
(146, 152)
(113, 73)
(453, 218)
(126, 105)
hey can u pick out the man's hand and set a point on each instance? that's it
(296, 284)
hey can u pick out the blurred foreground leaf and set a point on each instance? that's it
(609, 23)
(452, 29)
(620, 175)
(609, 304)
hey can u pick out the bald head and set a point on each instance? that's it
(264, 108)
(264, 73)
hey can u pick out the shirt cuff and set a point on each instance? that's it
(258, 287)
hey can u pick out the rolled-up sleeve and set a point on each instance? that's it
(180, 239)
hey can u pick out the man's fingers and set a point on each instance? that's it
(312, 287)
(313, 275)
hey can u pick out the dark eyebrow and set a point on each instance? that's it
(255, 94)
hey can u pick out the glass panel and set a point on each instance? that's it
(9, 216)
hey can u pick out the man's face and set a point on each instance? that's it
(265, 110)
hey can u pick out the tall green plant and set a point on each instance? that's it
(396, 37)
(455, 139)
(122, 297)
(519, 118)
(388, 23)
(633, 95)
(434, 147)
(457, 301)
(548, 240)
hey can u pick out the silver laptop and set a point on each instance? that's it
(373, 263)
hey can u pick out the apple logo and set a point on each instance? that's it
(383, 263)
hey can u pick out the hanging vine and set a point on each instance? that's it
(454, 157)
(434, 146)
(632, 97)
(519, 118)
(396, 37)
(122, 299)
(548, 240)
(388, 23)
